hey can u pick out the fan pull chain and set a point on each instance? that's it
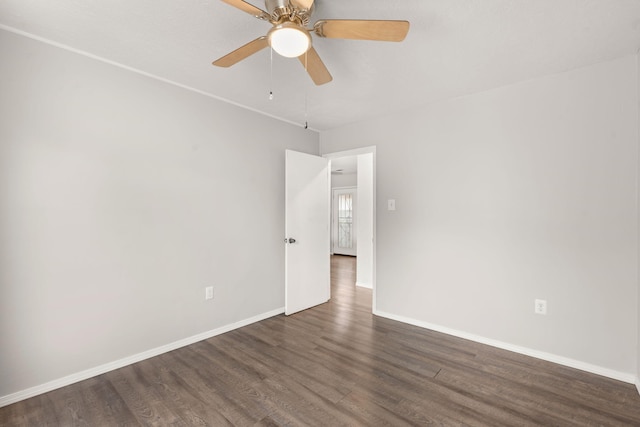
(306, 97)
(271, 77)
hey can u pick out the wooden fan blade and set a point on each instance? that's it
(392, 31)
(242, 52)
(302, 4)
(315, 67)
(249, 8)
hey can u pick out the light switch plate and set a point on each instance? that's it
(391, 204)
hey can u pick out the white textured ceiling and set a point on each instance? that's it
(454, 47)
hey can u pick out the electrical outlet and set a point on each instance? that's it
(540, 306)
(208, 292)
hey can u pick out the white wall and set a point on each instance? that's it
(638, 186)
(121, 198)
(364, 265)
(522, 192)
(345, 180)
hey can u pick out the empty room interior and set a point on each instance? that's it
(151, 271)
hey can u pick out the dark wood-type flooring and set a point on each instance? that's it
(333, 365)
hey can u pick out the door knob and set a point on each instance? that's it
(292, 240)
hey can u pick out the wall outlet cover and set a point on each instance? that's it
(540, 306)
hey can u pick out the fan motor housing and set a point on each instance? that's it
(272, 5)
(279, 9)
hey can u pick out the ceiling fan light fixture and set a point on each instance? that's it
(289, 40)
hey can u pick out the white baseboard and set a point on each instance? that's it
(98, 370)
(364, 285)
(561, 360)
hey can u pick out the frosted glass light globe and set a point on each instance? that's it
(289, 40)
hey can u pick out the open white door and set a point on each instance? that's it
(307, 213)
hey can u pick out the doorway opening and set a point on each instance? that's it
(353, 207)
(344, 214)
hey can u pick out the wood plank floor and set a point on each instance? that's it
(336, 364)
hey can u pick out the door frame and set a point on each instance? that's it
(355, 152)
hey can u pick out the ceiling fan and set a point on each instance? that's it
(290, 37)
